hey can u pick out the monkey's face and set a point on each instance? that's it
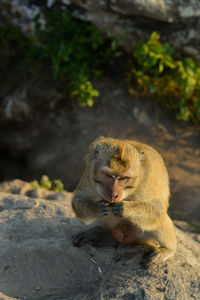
(116, 178)
(111, 186)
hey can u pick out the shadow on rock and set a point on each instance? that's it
(38, 260)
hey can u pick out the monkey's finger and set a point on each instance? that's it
(104, 203)
(152, 258)
(103, 213)
(78, 239)
(117, 209)
(103, 208)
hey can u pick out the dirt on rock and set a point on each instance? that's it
(39, 262)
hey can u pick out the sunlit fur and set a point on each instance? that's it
(145, 196)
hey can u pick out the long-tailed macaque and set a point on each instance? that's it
(125, 188)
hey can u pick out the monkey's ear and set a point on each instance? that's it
(96, 151)
(121, 153)
(142, 156)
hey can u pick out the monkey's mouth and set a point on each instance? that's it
(110, 199)
(107, 199)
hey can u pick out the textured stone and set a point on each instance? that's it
(177, 21)
(38, 260)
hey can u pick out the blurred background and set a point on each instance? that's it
(73, 70)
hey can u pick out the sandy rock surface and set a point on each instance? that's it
(38, 260)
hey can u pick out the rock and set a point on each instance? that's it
(177, 21)
(23, 103)
(38, 260)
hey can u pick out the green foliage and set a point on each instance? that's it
(45, 183)
(11, 38)
(154, 72)
(84, 91)
(195, 225)
(58, 185)
(10, 35)
(75, 49)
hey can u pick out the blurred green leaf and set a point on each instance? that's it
(175, 83)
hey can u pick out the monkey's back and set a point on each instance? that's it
(155, 182)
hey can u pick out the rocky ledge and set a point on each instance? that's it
(38, 260)
(176, 21)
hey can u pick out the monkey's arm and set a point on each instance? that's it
(84, 207)
(145, 214)
(88, 211)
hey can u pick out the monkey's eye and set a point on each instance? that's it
(121, 179)
(108, 175)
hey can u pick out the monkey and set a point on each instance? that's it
(125, 189)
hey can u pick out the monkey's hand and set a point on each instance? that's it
(117, 208)
(103, 208)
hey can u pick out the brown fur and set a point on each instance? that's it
(132, 180)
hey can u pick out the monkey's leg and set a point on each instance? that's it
(96, 236)
(165, 236)
(126, 233)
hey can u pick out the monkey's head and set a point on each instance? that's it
(117, 168)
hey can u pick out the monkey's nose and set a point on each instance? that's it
(114, 196)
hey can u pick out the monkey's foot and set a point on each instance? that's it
(157, 256)
(82, 238)
(79, 239)
(96, 236)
